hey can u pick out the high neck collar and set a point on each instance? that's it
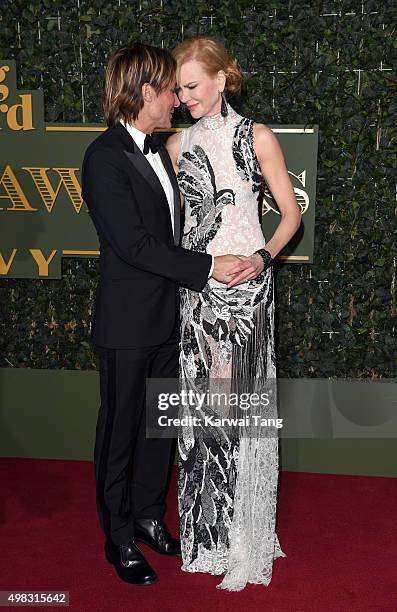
(217, 122)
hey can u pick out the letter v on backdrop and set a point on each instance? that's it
(42, 215)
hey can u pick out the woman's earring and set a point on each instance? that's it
(224, 109)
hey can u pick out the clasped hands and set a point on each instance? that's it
(233, 270)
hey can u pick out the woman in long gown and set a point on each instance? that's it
(228, 483)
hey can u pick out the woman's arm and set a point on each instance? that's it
(173, 146)
(274, 171)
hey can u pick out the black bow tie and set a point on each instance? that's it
(152, 143)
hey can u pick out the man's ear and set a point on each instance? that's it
(147, 92)
(221, 77)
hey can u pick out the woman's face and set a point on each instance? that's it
(199, 91)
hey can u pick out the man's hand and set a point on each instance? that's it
(250, 272)
(229, 267)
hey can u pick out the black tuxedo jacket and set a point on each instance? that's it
(141, 264)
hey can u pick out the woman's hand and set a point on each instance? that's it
(257, 266)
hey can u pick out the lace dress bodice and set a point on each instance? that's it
(221, 180)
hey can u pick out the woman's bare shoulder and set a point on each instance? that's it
(173, 145)
(263, 133)
(174, 141)
(265, 141)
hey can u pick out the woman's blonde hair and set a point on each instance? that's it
(128, 69)
(213, 56)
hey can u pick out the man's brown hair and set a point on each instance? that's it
(128, 69)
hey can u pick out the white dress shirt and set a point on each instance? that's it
(154, 160)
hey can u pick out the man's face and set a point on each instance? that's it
(163, 106)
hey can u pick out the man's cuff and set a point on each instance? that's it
(212, 267)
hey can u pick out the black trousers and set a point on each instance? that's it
(132, 472)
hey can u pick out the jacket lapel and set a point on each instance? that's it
(141, 164)
(139, 161)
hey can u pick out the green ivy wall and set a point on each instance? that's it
(326, 63)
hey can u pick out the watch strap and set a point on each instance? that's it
(266, 257)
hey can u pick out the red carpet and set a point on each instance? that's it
(339, 533)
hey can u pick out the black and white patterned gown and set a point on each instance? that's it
(227, 484)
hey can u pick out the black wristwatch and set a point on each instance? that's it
(266, 257)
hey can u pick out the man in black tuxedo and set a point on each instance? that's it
(132, 194)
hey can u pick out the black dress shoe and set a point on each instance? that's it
(130, 564)
(155, 534)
